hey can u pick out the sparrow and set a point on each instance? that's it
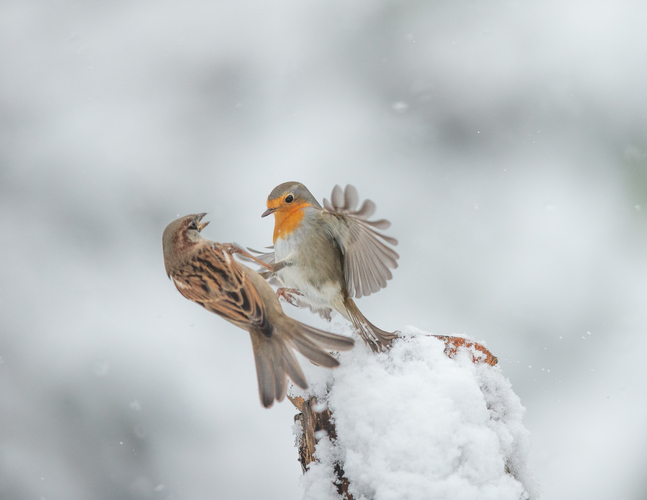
(204, 271)
(325, 256)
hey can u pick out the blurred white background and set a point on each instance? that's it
(505, 140)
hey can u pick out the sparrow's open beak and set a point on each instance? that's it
(202, 225)
(268, 212)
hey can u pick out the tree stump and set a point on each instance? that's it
(316, 417)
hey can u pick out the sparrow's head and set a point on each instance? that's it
(288, 197)
(179, 237)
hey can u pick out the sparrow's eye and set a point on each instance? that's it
(193, 225)
(289, 199)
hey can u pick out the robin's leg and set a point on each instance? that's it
(289, 295)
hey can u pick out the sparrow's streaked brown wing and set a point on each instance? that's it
(215, 281)
(367, 259)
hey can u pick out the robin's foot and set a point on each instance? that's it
(288, 295)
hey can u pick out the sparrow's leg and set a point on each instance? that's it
(273, 268)
(233, 248)
(289, 295)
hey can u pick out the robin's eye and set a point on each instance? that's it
(289, 199)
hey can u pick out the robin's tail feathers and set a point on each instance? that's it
(275, 360)
(377, 339)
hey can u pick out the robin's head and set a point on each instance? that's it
(179, 236)
(288, 197)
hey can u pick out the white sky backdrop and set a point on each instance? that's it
(505, 140)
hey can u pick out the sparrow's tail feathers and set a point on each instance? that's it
(377, 339)
(275, 360)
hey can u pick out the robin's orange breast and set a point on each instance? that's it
(287, 219)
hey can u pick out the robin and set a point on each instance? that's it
(325, 256)
(204, 272)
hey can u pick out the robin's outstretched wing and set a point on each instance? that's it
(216, 281)
(367, 258)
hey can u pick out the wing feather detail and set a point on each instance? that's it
(219, 284)
(367, 257)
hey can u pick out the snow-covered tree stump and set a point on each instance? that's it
(431, 418)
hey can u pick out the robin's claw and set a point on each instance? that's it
(288, 294)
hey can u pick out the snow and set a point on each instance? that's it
(413, 423)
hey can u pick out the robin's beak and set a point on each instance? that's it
(268, 212)
(202, 225)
